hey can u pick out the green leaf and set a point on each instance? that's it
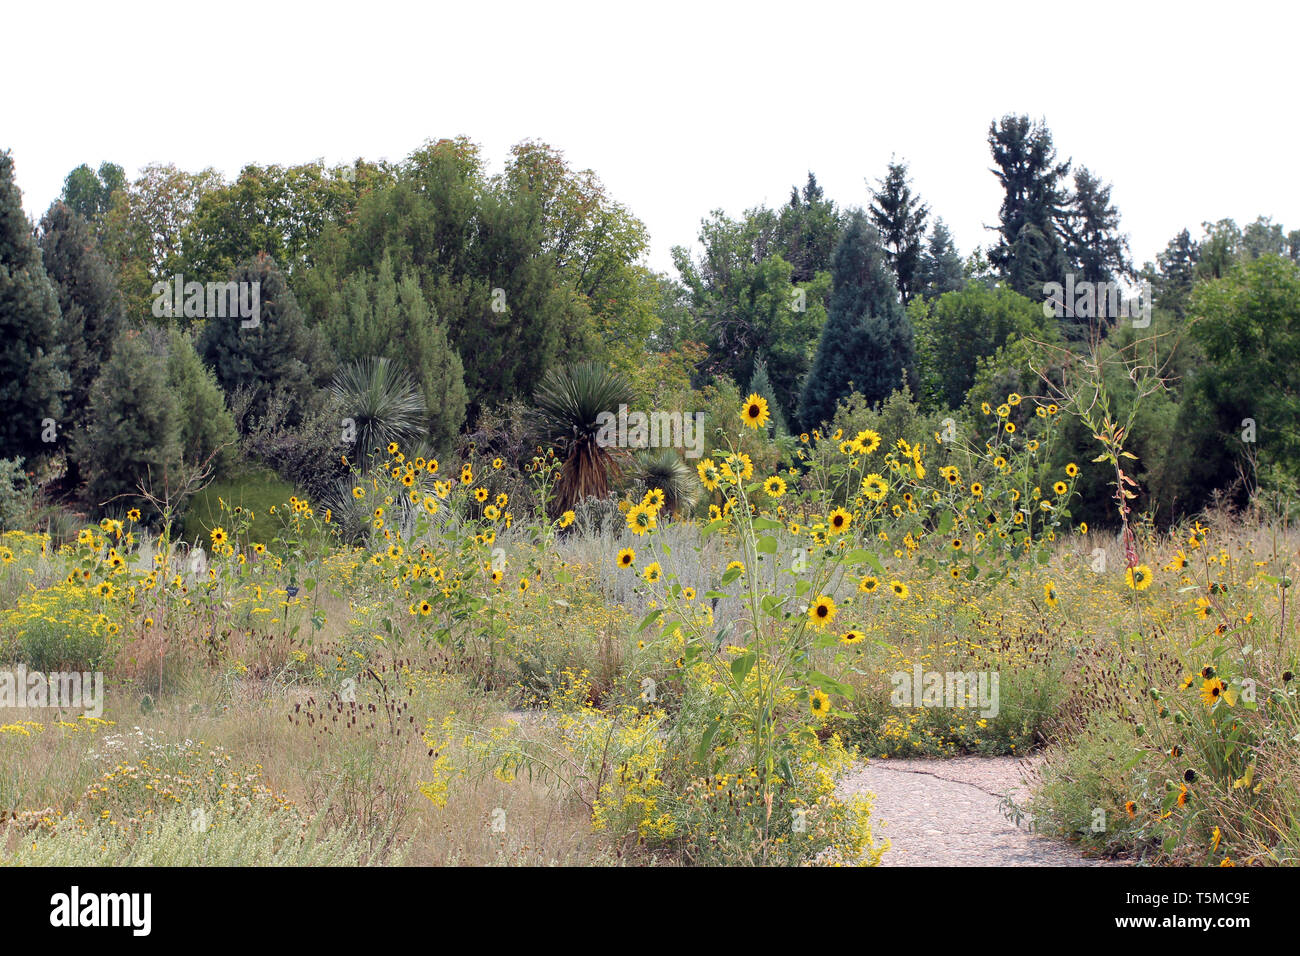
(766, 545)
(741, 667)
(649, 619)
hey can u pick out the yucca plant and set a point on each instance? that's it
(383, 403)
(569, 406)
(664, 469)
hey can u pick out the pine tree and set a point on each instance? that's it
(89, 304)
(375, 316)
(205, 422)
(279, 354)
(1096, 249)
(1177, 273)
(866, 345)
(1030, 251)
(941, 267)
(900, 216)
(32, 377)
(807, 230)
(132, 436)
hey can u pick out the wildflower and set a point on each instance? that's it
(868, 584)
(626, 557)
(652, 572)
(1139, 577)
(822, 611)
(1049, 593)
(774, 486)
(819, 703)
(641, 519)
(566, 519)
(874, 487)
(840, 520)
(899, 589)
(754, 412)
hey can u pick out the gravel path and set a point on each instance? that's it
(946, 813)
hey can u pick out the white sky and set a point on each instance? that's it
(1187, 108)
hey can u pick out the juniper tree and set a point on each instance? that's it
(32, 376)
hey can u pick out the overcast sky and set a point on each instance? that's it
(1188, 109)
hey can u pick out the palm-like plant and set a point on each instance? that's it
(569, 406)
(383, 403)
(663, 468)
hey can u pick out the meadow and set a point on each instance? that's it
(450, 665)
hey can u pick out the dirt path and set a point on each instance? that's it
(946, 813)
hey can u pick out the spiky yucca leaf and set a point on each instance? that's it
(663, 468)
(383, 403)
(569, 404)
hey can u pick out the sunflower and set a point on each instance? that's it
(640, 519)
(956, 544)
(1139, 577)
(736, 566)
(754, 411)
(492, 512)
(1049, 593)
(219, 537)
(133, 514)
(688, 594)
(1130, 807)
(868, 584)
(467, 474)
(1059, 488)
(1213, 690)
(840, 520)
(523, 585)
(822, 611)
(497, 464)
(708, 473)
(874, 487)
(774, 486)
(899, 589)
(652, 572)
(850, 638)
(866, 441)
(1177, 562)
(976, 489)
(819, 703)
(424, 608)
(626, 557)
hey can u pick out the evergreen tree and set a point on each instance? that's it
(807, 230)
(32, 377)
(1029, 252)
(1096, 249)
(132, 436)
(1176, 273)
(376, 316)
(900, 216)
(866, 345)
(89, 304)
(941, 267)
(277, 354)
(205, 422)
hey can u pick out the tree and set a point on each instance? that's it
(1029, 251)
(1173, 274)
(941, 266)
(89, 305)
(807, 230)
(133, 434)
(744, 299)
(1094, 245)
(376, 316)
(32, 376)
(866, 345)
(958, 329)
(900, 216)
(277, 354)
(206, 426)
(89, 193)
(1245, 395)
